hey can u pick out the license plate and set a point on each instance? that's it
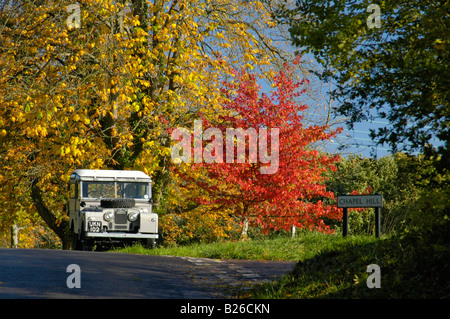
(95, 227)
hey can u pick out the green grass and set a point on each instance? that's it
(306, 245)
(331, 266)
(410, 268)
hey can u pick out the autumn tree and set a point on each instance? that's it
(100, 91)
(278, 181)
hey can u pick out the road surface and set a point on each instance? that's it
(44, 274)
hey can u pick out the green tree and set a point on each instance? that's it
(404, 180)
(398, 70)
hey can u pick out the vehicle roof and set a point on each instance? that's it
(109, 175)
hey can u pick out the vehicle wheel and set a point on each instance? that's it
(117, 203)
(149, 243)
(76, 244)
(86, 244)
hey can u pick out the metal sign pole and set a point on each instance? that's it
(345, 223)
(377, 221)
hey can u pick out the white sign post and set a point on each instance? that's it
(361, 201)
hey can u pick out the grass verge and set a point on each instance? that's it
(410, 269)
(304, 246)
(331, 266)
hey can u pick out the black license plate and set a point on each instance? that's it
(95, 227)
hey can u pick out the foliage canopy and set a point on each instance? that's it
(399, 71)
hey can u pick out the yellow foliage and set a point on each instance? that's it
(104, 95)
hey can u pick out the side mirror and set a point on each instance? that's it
(82, 204)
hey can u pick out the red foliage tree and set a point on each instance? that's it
(290, 191)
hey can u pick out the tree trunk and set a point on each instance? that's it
(14, 235)
(61, 229)
(244, 232)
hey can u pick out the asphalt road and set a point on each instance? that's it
(43, 274)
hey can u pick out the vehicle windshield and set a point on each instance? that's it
(132, 190)
(99, 190)
(108, 190)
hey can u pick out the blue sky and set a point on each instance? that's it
(357, 140)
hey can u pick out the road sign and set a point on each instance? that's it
(346, 201)
(355, 201)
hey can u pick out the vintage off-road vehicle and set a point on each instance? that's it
(111, 206)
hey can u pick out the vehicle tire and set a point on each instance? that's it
(149, 243)
(117, 203)
(86, 243)
(76, 244)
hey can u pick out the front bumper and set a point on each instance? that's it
(122, 235)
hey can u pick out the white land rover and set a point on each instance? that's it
(108, 206)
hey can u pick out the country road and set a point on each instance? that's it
(43, 274)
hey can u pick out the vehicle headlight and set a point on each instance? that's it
(108, 216)
(132, 217)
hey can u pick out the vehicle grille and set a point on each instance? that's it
(120, 217)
